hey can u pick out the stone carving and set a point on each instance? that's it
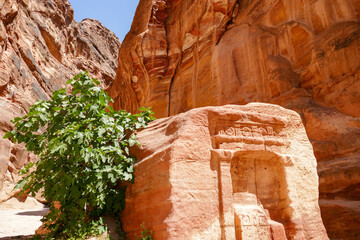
(259, 220)
(246, 130)
(205, 189)
(251, 221)
(233, 136)
(246, 220)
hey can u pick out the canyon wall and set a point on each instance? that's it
(302, 55)
(42, 46)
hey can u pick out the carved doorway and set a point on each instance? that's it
(262, 174)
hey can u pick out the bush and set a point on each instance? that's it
(145, 234)
(83, 148)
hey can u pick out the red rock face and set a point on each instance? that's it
(41, 46)
(231, 172)
(302, 55)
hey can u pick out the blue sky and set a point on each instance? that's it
(116, 15)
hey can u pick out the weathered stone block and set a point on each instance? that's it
(225, 173)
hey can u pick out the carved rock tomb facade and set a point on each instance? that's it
(232, 172)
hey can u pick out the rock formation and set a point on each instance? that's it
(302, 55)
(41, 46)
(230, 172)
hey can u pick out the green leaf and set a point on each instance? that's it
(95, 81)
(111, 109)
(94, 107)
(132, 140)
(127, 151)
(82, 202)
(101, 131)
(127, 176)
(21, 183)
(102, 99)
(130, 169)
(9, 134)
(70, 81)
(112, 178)
(95, 89)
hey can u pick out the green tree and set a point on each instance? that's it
(83, 149)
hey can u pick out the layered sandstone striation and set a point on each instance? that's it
(302, 55)
(230, 172)
(41, 46)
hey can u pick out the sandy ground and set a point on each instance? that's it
(21, 222)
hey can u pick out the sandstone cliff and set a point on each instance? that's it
(303, 55)
(41, 46)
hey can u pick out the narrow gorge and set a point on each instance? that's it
(181, 55)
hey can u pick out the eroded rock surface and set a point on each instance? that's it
(302, 55)
(232, 172)
(41, 46)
